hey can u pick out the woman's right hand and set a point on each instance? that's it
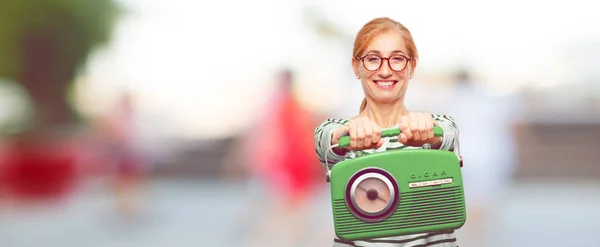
(364, 134)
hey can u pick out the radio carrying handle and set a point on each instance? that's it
(345, 140)
(437, 130)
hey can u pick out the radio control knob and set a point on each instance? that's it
(372, 194)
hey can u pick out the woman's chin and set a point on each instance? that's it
(386, 98)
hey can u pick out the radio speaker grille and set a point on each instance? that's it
(424, 208)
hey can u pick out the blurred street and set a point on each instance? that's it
(201, 213)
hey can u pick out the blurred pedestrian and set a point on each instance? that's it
(282, 164)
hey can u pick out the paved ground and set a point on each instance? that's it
(201, 213)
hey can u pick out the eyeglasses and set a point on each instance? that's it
(373, 62)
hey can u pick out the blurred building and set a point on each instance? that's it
(559, 139)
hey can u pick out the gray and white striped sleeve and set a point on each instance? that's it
(323, 134)
(451, 134)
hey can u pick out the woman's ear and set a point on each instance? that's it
(413, 65)
(355, 68)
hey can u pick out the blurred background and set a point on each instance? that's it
(166, 123)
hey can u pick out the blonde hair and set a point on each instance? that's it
(374, 27)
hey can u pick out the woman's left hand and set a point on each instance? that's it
(417, 129)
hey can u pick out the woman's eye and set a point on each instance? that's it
(398, 59)
(373, 59)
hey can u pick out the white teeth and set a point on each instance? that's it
(385, 83)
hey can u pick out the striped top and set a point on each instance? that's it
(323, 134)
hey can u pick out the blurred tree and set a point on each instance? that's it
(324, 27)
(43, 44)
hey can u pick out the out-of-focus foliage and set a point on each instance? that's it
(43, 46)
(76, 26)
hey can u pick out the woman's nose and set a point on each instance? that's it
(385, 69)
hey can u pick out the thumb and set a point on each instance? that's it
(337, 134)
(380, 143)
(402, 138)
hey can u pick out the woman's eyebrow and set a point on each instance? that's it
(378, 52)
(398, 51)
(373, 51)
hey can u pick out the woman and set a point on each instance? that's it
(384, 59)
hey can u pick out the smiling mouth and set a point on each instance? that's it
(385, 84)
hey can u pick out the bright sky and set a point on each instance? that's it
(204, 65)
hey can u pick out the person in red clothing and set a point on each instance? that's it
(293, 159)
(279, 155)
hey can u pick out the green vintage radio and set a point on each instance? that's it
(397, 192)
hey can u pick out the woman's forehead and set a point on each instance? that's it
(387, 43)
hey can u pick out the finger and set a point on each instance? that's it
(353, 137)
(414, 129)
(423, 129)
(429, 125)
(368, 135)
(360, 137)
(405, 128)
(376, 134)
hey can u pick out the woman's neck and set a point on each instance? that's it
(385, 115)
